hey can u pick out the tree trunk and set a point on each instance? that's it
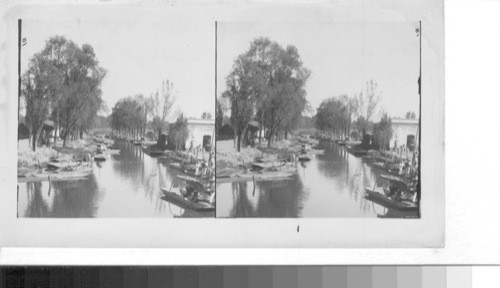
(260, 127)
(56, 128)
(286, 134)
(270, 138)
(238, 147)
(81, 133)
(65, 138)
(33, 144)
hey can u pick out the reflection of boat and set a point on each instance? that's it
(152, 150)
(395, 213)
(385, 201)
(356, 151)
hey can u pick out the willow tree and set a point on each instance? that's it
(267, 83)
(35, 93)
(241, 95)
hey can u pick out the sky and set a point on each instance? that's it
(342, 57)
(138, 55)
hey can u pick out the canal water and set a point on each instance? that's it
(126, 185)
(330, 185)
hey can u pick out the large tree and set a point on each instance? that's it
(333, 115)
(163, 101)
(35, 93)
(241, 95)
(127, 116)
(267, 82)
(178, 134)
(366, 103)
(82, 86)
(63, 81)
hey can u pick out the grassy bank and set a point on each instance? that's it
(28, 159)
(229, 158)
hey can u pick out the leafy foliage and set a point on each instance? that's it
(63, 82)
(267, 83)
(382, 132)
(178, 134)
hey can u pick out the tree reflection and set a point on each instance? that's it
(37, 206)
(273, 199)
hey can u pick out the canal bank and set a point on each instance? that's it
(126, 185)
(330, 185)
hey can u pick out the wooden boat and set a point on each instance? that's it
(60, 165)
(113, 151)
(175, 165)
(385, 201)
(305, 157)
(151, 151)
(379, 165)
(64, 158)
(225, 172)
(184, 203)
(100, 157)
(352, 143)
(268, 165)
(258, 177)
(65, 176)
(305, 147)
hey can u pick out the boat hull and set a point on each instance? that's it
(180, 201)
(385, 201)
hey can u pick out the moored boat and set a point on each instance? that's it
(386, 201)
(184, 203)
(258, 177)
(305, 157)
(100, 157)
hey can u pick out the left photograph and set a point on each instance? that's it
(116, 120)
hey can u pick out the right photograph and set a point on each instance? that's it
(318, 120)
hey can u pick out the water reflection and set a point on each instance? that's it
(126, 185)
(330, 185)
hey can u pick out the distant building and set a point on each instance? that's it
(405, 132)
(201, 133)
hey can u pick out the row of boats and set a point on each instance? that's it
(70, 167)
(196, 178)
(400, 177)
(270, 167)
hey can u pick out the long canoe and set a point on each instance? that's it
(184, 203)
(305, 157)
(258, 177)
(53, 177)
(385, 201)
(267, 165)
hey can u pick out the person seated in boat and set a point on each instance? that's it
(393, 192)
(203, 168)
